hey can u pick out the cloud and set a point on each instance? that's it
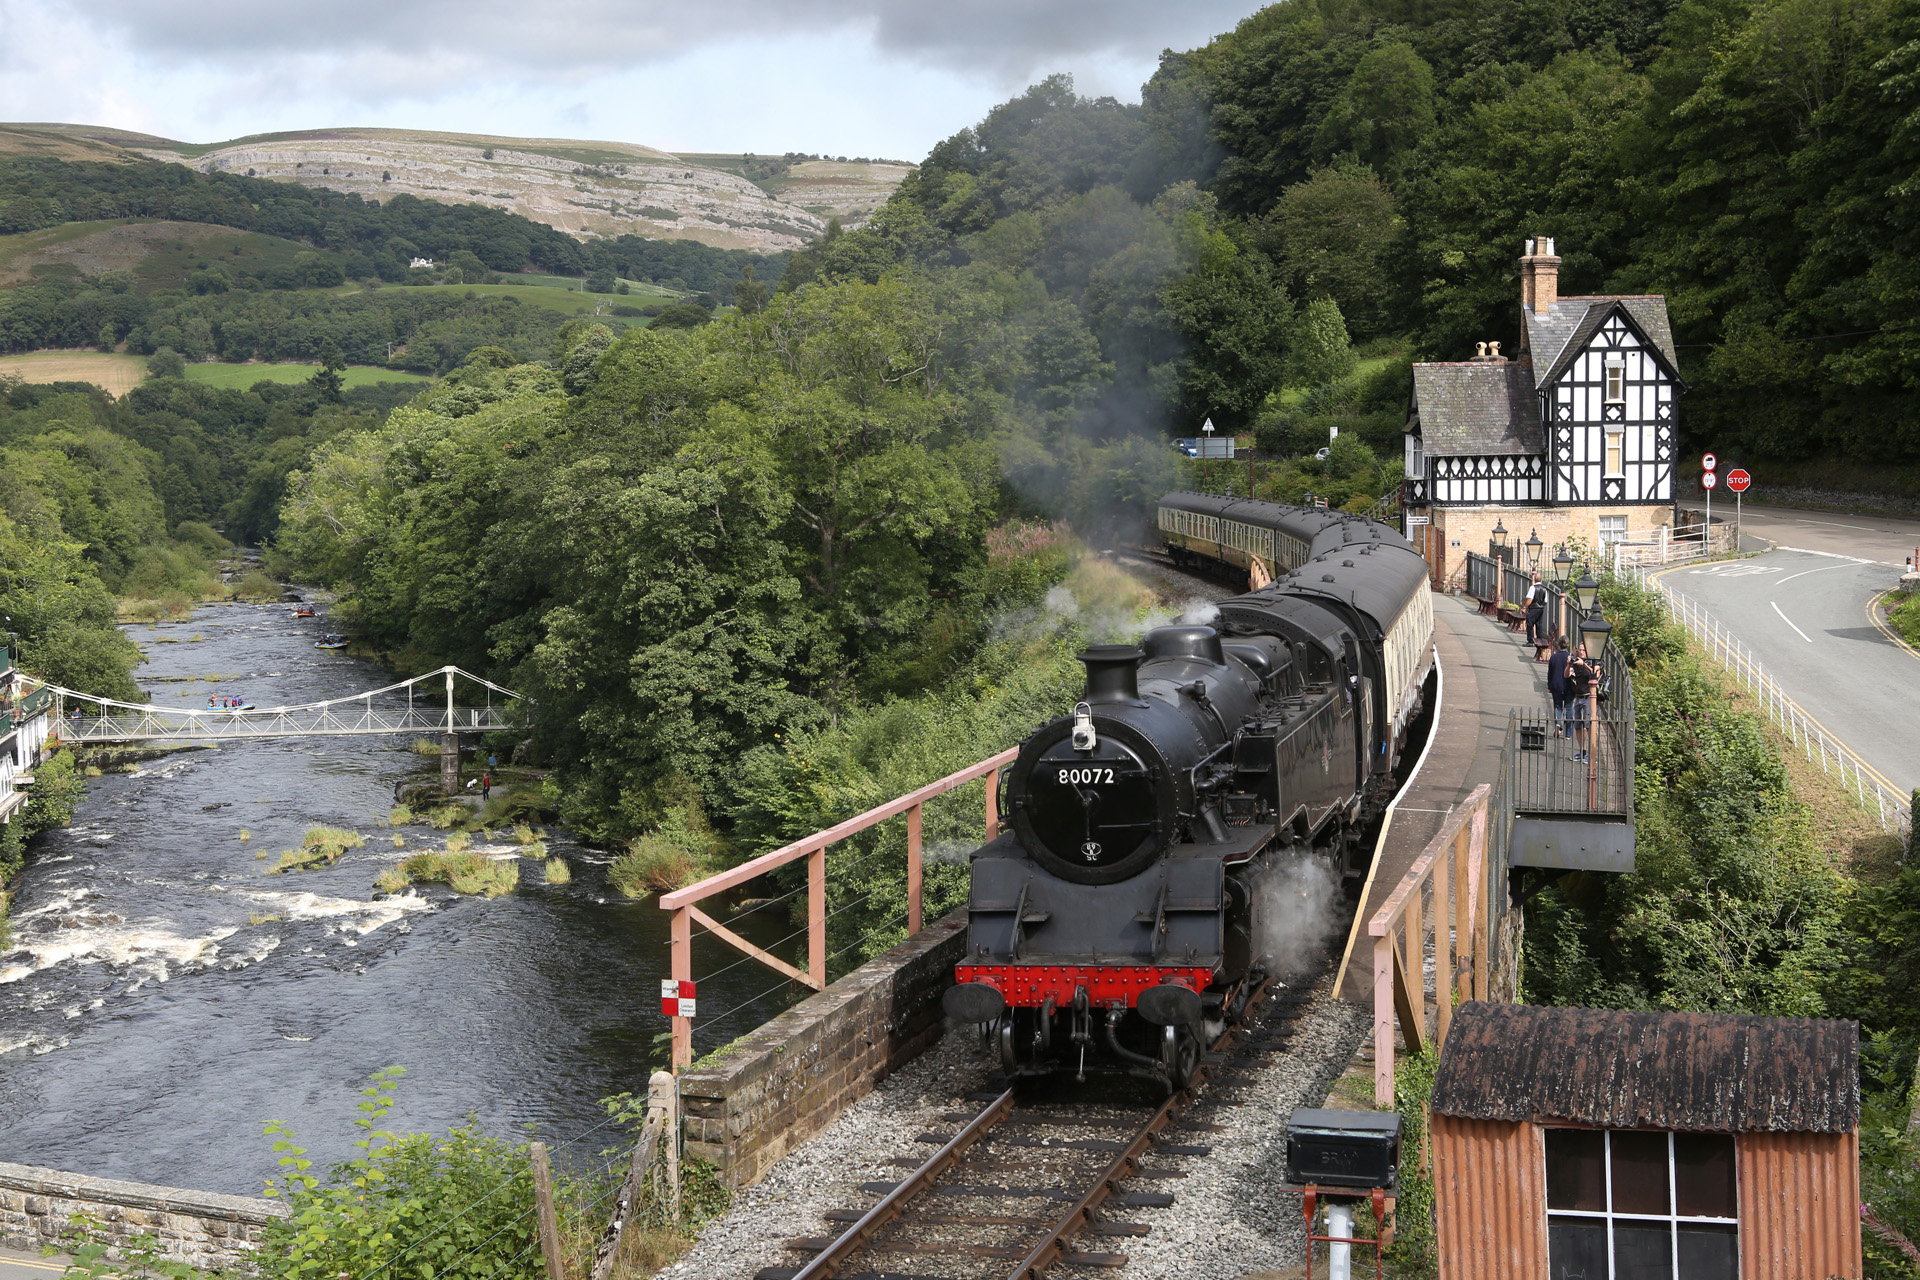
(1005, 40)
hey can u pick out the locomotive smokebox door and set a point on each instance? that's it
(1358, 1149)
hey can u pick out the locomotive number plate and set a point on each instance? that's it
(1076, 777)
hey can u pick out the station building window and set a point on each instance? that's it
(1627, 1204)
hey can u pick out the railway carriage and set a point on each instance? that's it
(1134, 905)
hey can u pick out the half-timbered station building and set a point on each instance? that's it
(1573, 437)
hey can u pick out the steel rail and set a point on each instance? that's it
(1054, 1246)
(826, 1264)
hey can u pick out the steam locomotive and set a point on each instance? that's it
(1130, 911)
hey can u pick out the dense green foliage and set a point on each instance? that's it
(1750, 161)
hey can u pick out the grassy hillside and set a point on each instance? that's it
(25, 140)
(160, 254)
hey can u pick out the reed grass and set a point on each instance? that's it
(558, 872)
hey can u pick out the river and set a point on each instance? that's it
(165, 997)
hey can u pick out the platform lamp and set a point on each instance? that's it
(1533, 549)
(1587, 593)
(1497, 545)
(1562, 565)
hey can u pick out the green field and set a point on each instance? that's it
(1365, 365)
(568, 302)
(242, 376)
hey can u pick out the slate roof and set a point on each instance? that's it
(1557, 337)
(1477, 407)
(1619, 1069)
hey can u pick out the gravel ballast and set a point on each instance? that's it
(1226, 1222)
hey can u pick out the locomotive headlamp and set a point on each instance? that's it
(1084, 738)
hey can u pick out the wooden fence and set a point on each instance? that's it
(681, 902)
(1453, 869)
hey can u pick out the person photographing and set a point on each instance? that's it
(1581, 678)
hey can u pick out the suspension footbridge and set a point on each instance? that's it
(423, 704)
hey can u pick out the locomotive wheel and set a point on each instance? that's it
(1180, 1055)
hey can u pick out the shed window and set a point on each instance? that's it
(1641, 1205)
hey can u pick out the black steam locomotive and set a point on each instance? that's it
(1128, 915)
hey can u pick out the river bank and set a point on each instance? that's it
(164, 996)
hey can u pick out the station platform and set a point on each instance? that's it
(1486, 671)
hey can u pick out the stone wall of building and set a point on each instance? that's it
(1457, 530)
(771, 1090)
(203, 1228)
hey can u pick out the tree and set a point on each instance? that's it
(166, 363)
(1385, 110)
(682, 315)
(1333, 234)
(326, 379)
(600, 280)
(1321, 353)
(749, 294)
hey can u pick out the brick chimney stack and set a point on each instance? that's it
(1539, 276)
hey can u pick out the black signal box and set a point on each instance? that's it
(1356, 1149)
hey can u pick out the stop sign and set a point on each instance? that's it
(1738, 481)
(1708, 480)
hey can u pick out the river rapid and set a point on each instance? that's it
(164, 996)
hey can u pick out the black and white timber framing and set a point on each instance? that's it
(1584, 417)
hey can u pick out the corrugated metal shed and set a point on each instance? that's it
(1799, 1206)
(1630, 1070)
(1490, 1199)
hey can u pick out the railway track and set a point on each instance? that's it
(1033, 1179)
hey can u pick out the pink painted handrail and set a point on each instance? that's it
(814, 848)
(1456, 855)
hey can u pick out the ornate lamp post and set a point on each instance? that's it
(1497, 545)
(1597, 631)
(1533, 550)
(1562, 570)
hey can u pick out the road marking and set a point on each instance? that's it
(1789, 621)
(1804, 572)
(1873, 616)
(1834, 524)
(1831, 555)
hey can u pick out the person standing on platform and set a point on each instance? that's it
(1536, 611)
(1557, 686)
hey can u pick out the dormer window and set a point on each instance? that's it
(1616, 379)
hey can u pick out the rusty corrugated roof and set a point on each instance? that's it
(1630, 1070)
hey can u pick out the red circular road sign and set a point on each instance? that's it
(1709, 480)
(1738, 481)
(1709, 462)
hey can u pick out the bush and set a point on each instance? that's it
(458, 1208)
(558, 872)
(258, 588)
(1906, 618)
(166, 363)
(322, 847)
(460, 870)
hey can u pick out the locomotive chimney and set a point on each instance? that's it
(1113, 673)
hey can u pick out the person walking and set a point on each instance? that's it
(1580, 680)
(1557, 686)
(486, 786)
(1536, 611)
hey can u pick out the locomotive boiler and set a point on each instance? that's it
(1129, 912)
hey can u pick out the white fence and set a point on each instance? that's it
(1876, 795)
(1665, 545)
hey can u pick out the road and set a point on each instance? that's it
(1880, 539)
(1808, 617)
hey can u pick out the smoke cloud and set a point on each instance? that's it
(1299, 909)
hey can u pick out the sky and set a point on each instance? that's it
(880, 78)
